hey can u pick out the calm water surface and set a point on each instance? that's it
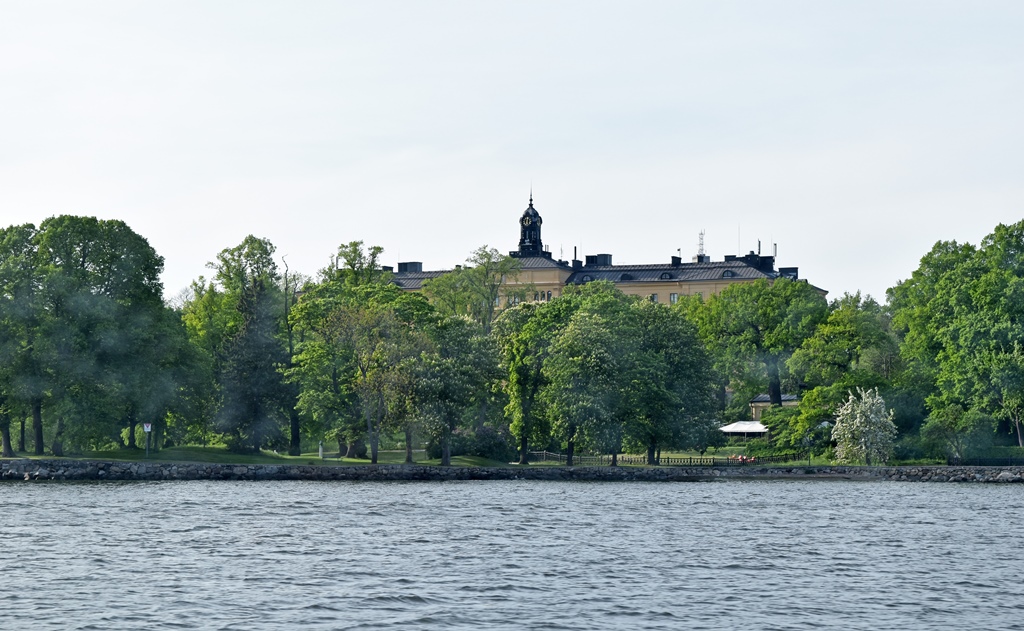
(511, 555)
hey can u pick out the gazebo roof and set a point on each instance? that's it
(744, 427)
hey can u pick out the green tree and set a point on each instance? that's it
(254, 399)
(476, 289)
(758, 325)
(580, 374)
(853, 347)
(351, 365)
(450, 378)
(18, 326)
(669, 384)
(961, 317)
(523, 342)
(524, 335)
(959, 432)
(99, 298)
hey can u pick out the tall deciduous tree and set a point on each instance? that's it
(476, 289)
(19, 320)
(854, 347)
(670, 390)
(760, 323)
(582, 391)
(100, 294)
(255, 400)
(451, 377)
(523, 342)
(962, 318)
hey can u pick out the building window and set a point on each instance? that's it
(728, 273)
(666, 276)
(673, 298)
(535, 297)
(654, 297)
(587, 278)
(549, 296)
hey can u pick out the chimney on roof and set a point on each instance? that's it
(677, 261)
(410, 266)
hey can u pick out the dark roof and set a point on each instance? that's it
(414, 280)
(764, 398)
(540, 262)
(653, 272)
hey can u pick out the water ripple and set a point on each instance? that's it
(511, 555)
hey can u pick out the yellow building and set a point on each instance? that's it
(659, 282)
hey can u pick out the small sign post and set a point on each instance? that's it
(148, 428)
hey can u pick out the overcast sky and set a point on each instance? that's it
(852, 134)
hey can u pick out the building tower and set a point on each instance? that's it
(529, 232)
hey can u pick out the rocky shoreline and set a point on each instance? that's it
(57, 470)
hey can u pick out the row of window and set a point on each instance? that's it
(673, 298)
(546, 296)
(664, 276)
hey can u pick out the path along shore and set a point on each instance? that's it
(55, 470)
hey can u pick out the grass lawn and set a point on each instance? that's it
(469, 461)
(221, 455)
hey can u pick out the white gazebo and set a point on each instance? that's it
(744, 428)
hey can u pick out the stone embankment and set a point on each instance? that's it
(29, 470)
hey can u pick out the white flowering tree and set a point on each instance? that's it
(864, 430)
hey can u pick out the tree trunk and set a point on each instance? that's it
(295, 448)
(408, 444)
(21, 436)
(132, 425)
(774, 383)
(523, 446)
(58, 438)
(159, 435)
(615, 460)
(6, 451)
(37, 425)
(481, 414)
(570, 450)
(650, 454)
(1020, 438)
(446, 448)
(371, 432)
(657, 457)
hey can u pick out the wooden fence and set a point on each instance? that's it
(695, 461)
(1008, 461)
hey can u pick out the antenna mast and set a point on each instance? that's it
(700, 244)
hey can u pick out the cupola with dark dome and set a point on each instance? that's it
(529, 232)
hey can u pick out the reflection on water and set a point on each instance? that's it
(504, 555)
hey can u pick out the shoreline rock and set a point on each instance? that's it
(81, 470)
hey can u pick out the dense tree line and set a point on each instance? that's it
(256, 357)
